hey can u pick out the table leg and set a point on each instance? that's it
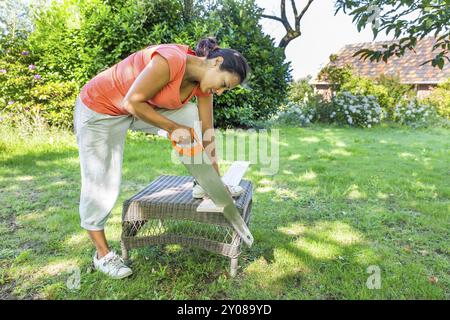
(234, 267)
(124, 252)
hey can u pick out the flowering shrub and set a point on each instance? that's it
(356, 110)
(414, 114)
(296, 114)
(440, 99)
(27, 90)
(388, 90)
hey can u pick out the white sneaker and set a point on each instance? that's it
(235, 191)
(198, 192)
(112, 265)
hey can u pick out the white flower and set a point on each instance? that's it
(368, 126)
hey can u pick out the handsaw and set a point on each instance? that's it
(192, 156)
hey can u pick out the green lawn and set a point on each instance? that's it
(343, 200)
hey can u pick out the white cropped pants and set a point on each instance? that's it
(100, 139)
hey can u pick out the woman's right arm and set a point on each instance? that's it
(149, 82)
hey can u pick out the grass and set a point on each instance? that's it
(343, 200)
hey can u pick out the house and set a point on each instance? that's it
(408, 68)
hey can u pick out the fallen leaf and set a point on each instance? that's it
(433, 279)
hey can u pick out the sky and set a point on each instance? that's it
(323, 34)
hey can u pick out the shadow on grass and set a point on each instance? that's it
(295, 221)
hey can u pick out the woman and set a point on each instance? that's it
(148, 90)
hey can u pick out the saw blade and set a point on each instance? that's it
(204, 173)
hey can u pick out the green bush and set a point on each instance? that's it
(302, 95)
(386, 89)
(322, 108)
(26, 93)
(336, 76)
(300, 90)
(238, 28)
(440, 99)
(17, 70)
(76, 39)
(52, 102)
(73, 40)
(415, 114)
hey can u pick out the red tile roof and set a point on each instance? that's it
(407, 67)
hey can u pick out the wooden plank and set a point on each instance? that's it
(234, 174)
(232, 177)
(207, 205)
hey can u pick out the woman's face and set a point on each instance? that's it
(217, 81)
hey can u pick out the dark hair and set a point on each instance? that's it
(233, 61)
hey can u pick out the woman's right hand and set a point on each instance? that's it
(182, 134)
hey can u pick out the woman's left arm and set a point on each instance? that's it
(205, 110)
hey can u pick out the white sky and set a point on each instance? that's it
(323, 33)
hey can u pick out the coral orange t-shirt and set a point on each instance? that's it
(105, 92)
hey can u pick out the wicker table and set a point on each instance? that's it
(164, 212)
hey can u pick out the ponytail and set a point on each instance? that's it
(205, 46)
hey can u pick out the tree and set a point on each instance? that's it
(73, 40)
(235, 23)
(192, 9)
(408, 20)
(291, 33)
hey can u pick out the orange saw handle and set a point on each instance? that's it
(190, 150)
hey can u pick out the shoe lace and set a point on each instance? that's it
(115, 261)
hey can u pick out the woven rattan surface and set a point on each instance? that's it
(165, 212)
